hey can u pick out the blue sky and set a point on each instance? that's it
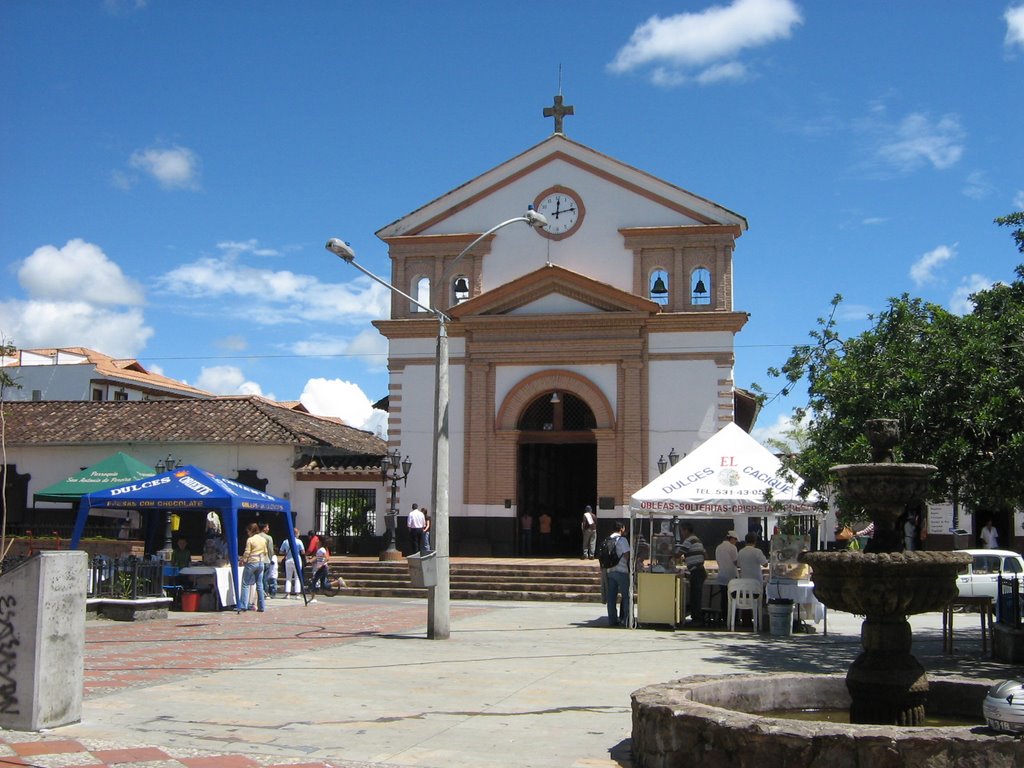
(169, 172)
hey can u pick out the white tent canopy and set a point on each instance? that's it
(726, 476)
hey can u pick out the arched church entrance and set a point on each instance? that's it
(556, 471)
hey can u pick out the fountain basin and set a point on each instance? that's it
(713, 722)
(900, 583)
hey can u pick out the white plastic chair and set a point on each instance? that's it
(745, 595)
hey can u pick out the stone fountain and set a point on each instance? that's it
(887, 684)
(721, 720)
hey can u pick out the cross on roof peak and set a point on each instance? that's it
(558, 111)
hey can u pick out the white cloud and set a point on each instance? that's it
(960, 302)
(853, 312)
(74, 324)
(368, 345)
(342, 400)
(77, 271)
(228, 380)
(732, 70)
(234, 343)
(710, 39)
(775, 431)
(1014, 26)
(252, 245)
(918, 141)
(977, 186)
(921, 272)
(76, 296)
(871, 221)
(279, 296)
(1018, 200)
(174, 168)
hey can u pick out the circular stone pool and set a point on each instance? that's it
(713, 722)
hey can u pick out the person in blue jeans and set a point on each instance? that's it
(254, 559)
(618, 579)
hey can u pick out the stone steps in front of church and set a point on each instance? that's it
(491, 579)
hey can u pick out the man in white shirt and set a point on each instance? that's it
(751, 559)
(725, 556)
(589, 528)
(990, 536)
(417, 522)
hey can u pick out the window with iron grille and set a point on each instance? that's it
(346, 511)
(559, 412)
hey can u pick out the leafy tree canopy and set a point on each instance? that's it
(956, 384)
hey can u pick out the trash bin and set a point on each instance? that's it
(423, 569)
(961, 538)
(190, 600)
(780, 617)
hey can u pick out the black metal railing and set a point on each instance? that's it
(126, 578)
(1008, 607)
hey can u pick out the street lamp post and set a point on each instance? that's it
(167, 465)
(393, 469)
(439, 596)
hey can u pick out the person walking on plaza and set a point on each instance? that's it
(270, 572)
(751, 559)
(692, 552)
(990, 536)
(321, 568)
(426, 528)
(544, 523)
(314, 543)
(589, 527)
(292, 574)
(526, 534)
(416, 523)
(254, 561)
(725, 555)
(618, 579)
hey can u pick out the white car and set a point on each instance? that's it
(981, 576)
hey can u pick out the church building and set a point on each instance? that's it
(581, 352)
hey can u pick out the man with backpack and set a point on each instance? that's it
(614, 558)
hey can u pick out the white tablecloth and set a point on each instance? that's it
(801, 593)
(221, 577)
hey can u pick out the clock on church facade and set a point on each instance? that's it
(563, 208)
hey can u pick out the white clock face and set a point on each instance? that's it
(563, 212)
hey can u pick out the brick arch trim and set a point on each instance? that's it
(533, 386)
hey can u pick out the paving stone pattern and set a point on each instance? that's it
(120, 655)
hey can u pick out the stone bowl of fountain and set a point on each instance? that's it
(729, 720)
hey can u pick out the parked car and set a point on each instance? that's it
(981, 576)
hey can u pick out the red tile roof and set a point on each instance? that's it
(244, 420)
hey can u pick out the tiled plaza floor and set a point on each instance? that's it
(123, 655)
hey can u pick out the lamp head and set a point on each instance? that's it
(341, 248)
(535, 219)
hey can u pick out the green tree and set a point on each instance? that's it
(1014, 220)
(956, 384)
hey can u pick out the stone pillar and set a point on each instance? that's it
(42, 641)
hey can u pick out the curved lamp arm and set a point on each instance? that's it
(531, 217)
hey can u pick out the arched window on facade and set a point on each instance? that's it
(422, 294)
(659, 286)
(557, 412)
(700, 286)
(460, 289)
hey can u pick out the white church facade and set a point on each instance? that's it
(580, 353)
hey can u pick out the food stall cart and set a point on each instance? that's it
(728, 476)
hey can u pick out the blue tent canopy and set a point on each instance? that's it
(187, 490)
